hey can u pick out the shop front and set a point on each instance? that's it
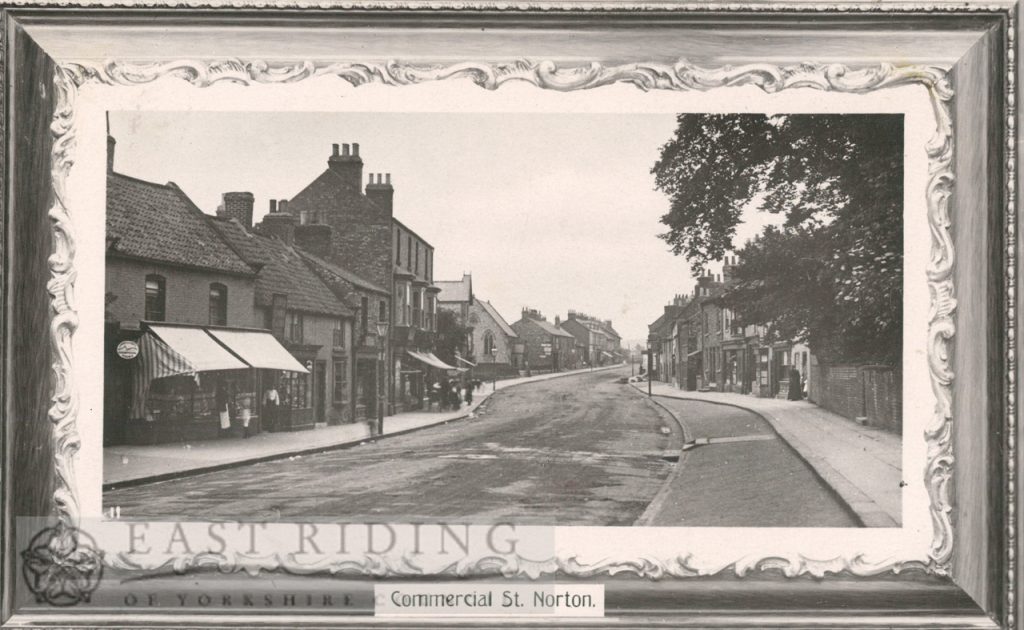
(198, 383)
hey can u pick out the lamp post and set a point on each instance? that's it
(382, 332)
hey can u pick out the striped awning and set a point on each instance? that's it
(156, 360)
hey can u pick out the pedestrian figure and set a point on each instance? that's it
(469, 393)
(795, 388)
(456, 396)
(271, 401)
(244, 404)
(221, 402)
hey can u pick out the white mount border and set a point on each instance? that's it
(681, 76)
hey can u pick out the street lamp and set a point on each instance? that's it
(382, 332)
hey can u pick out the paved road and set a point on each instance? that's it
(579, 450)
(746, 476)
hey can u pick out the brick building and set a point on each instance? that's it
(355, 229)
(179, 320)
(546, 346)
(592, 338)
(305, 316)
(367, 300)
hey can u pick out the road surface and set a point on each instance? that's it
(577, 450)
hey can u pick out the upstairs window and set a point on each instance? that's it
(398, 247)
(364, 314)
(295, 327)
(156, 298)
(382, 311)
(218, 304)
(488, 343)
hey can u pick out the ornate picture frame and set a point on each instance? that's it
(963, 56)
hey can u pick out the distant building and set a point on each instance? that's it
(598, 341)
(492, 345)
(547, 347)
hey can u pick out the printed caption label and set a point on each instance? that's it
(434, 600)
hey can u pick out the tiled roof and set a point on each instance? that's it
(159, 222)
(281, 270)
(550, 328)
(611, 331)
(496, 316)
(342, 273)
(455, 290)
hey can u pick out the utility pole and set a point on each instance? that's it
(650, 366)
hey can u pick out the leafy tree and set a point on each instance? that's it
(831, 271)
(451, 336)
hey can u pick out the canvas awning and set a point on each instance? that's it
(695, 352)
(469, 363)
(430, 359)
(201, 350)
(258, 349)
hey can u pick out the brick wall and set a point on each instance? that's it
(873, 392)
(360, 231)
(187, 293)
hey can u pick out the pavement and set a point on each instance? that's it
(580, 450)
(133, 465)
(863, 465)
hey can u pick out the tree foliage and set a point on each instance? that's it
(451, 336)
(831, 269)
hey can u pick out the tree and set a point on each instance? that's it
(831, 272)
(451, 337)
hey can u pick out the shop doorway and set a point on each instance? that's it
(320, 391)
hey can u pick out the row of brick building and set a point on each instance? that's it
(329, 302)
(697, 344)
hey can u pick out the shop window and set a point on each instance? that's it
(156, 298)
(340, 381)
(218, 304)
(294, 390)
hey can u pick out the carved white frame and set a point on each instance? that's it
(70, 77)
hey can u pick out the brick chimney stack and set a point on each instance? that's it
(279, 222)
(381, 192)
(729, 269)
(111, 145)
(238, 206)
(348, 164)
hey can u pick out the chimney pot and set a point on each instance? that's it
(388, 179)
(344, 149)
(282, 205)
(273, 205)
(334, 150)
(355, 149)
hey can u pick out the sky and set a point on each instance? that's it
(547, 211)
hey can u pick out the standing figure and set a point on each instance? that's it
(221, 401)
(271, 401)
(469, 393)
(796, 390)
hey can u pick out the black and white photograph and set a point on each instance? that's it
(428, 313)
(452, 318)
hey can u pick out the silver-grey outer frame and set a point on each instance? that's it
(972, 437)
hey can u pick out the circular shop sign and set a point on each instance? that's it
(127, 349)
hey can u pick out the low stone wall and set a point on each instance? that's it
(867, 391)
